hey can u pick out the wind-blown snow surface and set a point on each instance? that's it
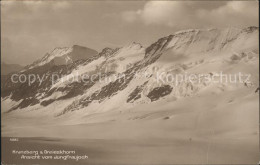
(211, 123)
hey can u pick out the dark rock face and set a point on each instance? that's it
(154, 52)
(250, 29)
(158, 46)
(47, 102)
(108, 52)
(81, 53)
(27, 102)
(159, 92)
(136, 94)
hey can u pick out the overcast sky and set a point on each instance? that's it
(31, 29)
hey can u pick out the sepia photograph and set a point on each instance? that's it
(129, 82)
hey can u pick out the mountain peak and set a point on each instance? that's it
(79, 47)
(61, 55)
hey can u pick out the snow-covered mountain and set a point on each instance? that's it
(66, 55)
(209, 51)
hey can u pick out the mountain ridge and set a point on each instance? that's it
(64, 55)
(190, 51)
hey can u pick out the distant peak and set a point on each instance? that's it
(78, 46)
(60, 54)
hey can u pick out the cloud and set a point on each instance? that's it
(131, 16)
(195, 14)
(35, 6)
(163, 12)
